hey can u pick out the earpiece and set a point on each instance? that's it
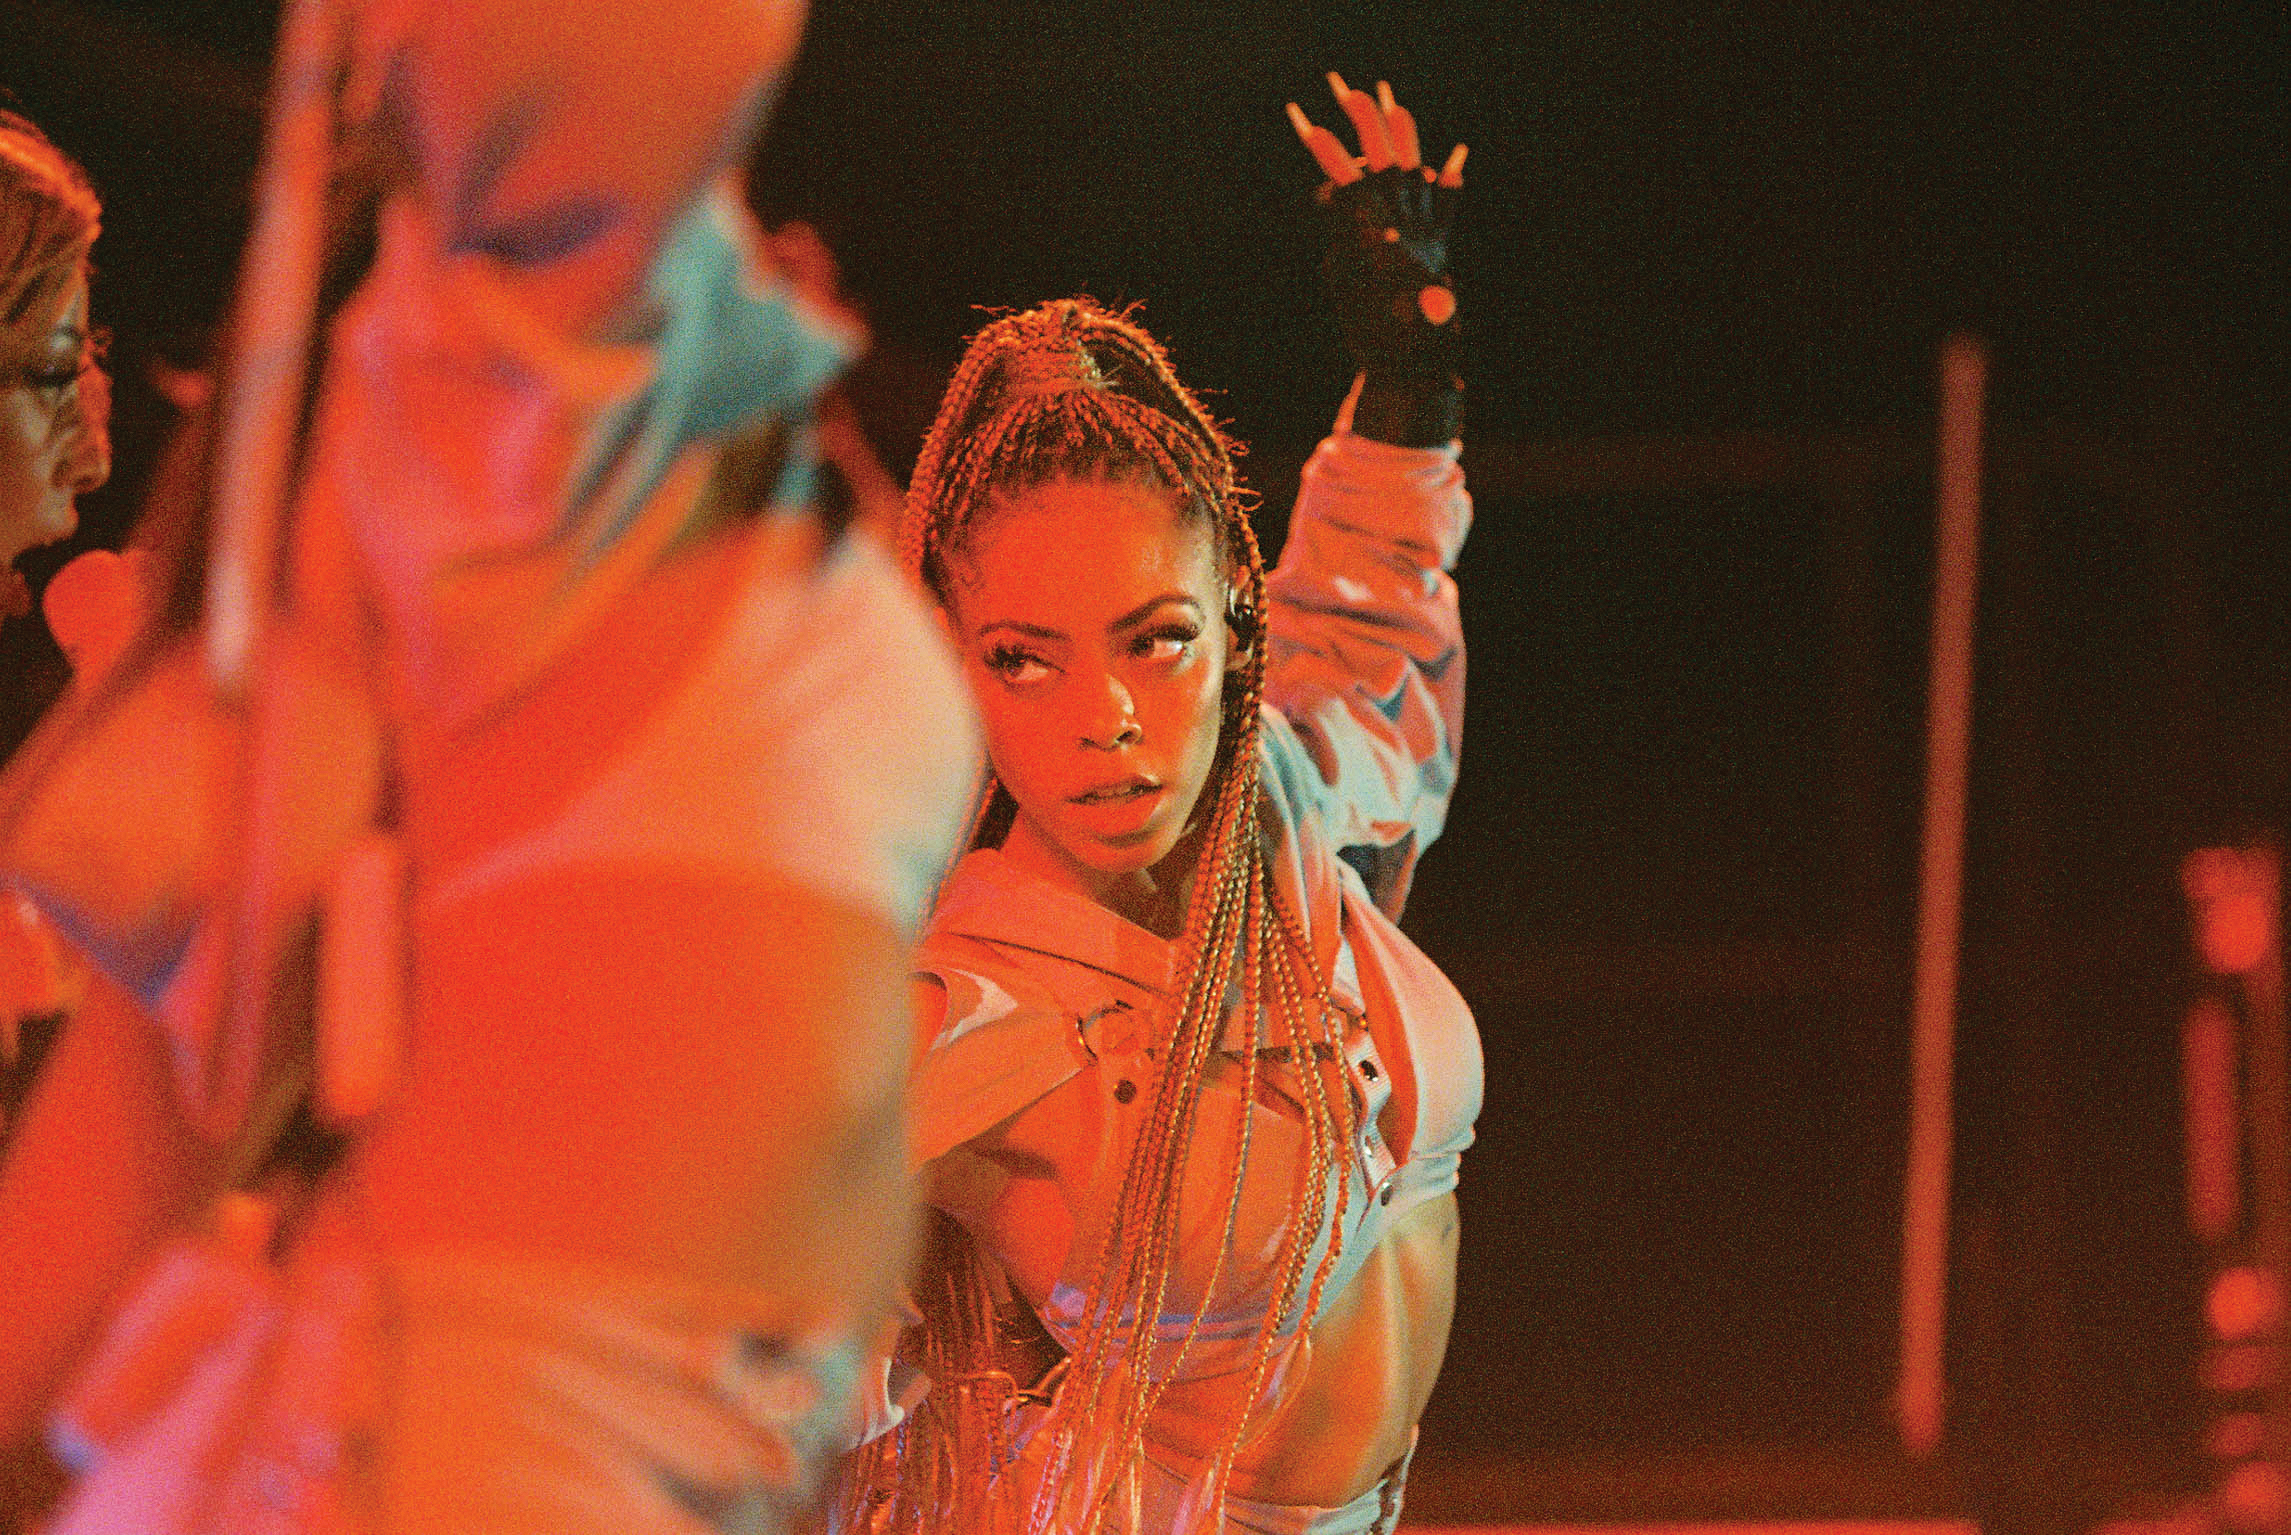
(1241, 616)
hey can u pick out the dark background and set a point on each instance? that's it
(1708, 254)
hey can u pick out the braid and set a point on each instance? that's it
(1070, 390)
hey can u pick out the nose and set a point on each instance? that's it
(1112, 720)
(86, 460)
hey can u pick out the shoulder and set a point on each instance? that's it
(823, 736)
(1003, 1038)
(808, 623)
(1027, 978)
(981, 984)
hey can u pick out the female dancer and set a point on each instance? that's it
(1182, 1066)
(491, 839)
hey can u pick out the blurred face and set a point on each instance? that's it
(1091, 618)
(546, 141)
(52, 439)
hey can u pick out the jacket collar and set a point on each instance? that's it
(992, 898)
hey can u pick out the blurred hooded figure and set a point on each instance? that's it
(504, 840)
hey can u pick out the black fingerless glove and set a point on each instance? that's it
(1387, 243)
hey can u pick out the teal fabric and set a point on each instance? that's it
(737, 344)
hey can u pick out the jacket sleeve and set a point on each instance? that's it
(1365, 652)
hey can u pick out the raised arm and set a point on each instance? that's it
(1365, 647)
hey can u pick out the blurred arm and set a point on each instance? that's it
(102, 1166)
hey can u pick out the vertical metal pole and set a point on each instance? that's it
(1949, 709)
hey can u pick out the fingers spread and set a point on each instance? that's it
(1407, 148)
(1326, 148)
(1367, 121)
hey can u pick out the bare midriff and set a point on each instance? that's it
(1368, 1364)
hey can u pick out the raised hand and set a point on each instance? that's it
(1386, 265)
(1388, 138)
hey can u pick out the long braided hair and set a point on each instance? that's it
(1070, 390)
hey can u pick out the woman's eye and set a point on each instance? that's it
(1165, 644)
(59, 373)
(51, 380)
(56, 376)
(1016, 666)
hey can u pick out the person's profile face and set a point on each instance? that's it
(53, 442)
(1091, 619)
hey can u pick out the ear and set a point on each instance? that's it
(1242, 620)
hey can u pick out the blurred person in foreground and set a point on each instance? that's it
(503, 842)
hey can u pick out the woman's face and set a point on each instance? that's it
(1091, 619)
(53, 444)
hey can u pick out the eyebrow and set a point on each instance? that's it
(1129, 620)
(1037, 631)
(1145, 610)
